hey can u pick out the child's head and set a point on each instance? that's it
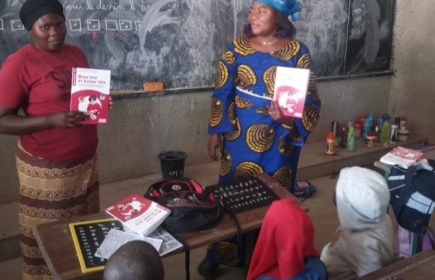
(286, 238)
(362, 198)
(135, 260)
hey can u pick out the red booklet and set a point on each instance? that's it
(138, 213)
(90, 94)
(403, 157)
(291, 85)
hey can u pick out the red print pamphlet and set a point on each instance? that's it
(403, 157)
(291, 85)
(90, 94)
(138, 213)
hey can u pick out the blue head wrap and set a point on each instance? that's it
(290, 8)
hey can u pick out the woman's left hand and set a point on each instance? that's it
(276, 114)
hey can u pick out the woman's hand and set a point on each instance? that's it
(14, 124)
(276, 114)
(67, 119)
(215, 146)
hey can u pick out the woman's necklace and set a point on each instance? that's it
(269, 43)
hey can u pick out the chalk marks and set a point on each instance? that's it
(322, 27)
(179, 42)
(370, 35)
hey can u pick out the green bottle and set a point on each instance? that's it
(351, 145)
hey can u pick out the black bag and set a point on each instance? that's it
(412, 197)
(193, 207)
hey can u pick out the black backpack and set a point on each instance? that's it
(412, 196)
(193, 208)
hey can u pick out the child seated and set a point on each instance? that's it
(285, 246)
(364, 240)
(135, 260)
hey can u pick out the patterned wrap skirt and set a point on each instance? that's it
(51, 191)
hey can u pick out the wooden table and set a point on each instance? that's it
(420, 266)
(56, 244)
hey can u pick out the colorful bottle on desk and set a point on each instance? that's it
(357, 129)
(402, 123)
(344, 132)
(393, 135)
(351, 145)
(331, 146)
(385, 134)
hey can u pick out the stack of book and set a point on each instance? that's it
(134, 218)
(138, 213)
(402, 157)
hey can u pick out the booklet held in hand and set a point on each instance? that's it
(291, 85)
(90, 90)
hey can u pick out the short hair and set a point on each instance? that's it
(92, 97)
(284, 28)
(135, 260)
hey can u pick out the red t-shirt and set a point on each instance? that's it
(39, 82)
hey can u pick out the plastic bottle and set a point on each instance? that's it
(331, 147)
(393, 135)
(344, 132)
(377, 131)
(385, 134)
(357, 129)
(351, 145)
(402, 123)
(380, 123)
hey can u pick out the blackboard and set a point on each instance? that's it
(179, 42)
(87, 237)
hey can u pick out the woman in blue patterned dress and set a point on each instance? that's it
(247, 130)
(245, 125)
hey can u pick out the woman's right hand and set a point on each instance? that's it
(14, 124)
(67, 119)
(215, 146)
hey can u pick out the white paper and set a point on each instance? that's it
(162, 240)
(169, 242)
(116, 238)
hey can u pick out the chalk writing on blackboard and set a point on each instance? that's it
(179, 42)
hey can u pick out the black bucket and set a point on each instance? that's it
(172, 164)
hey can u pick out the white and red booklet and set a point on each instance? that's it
(138, 213)
(403, 157)
(291, 85)
(90, 90)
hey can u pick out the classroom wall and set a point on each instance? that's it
(142, 127)
(412, 91)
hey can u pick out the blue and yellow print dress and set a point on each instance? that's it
(252, 142)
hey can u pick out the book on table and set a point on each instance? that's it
(138, 213)
(90, 90)
(402, 157)
(291, 85)
(96, 240)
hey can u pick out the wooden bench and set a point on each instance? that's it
(420, 266)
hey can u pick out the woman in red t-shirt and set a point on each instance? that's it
(56, 156)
